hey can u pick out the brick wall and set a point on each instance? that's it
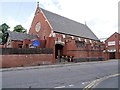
(114, 37)
(45, 28)
(16, 57)
(85, 51)
(51, 44)
(25, 60)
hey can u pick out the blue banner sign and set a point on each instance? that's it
(36, 43)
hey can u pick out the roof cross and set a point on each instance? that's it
(37, 4)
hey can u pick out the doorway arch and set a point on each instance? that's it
(58, 51)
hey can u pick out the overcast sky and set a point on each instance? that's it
(101, 16)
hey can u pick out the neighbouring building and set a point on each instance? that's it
(65, 36)
(19, 40)
(113, 46)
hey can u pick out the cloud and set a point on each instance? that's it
(12, 22)
(51, 5)
(28, 22)
(17, 0)
(100, 15)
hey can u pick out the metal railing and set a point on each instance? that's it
(7, 51)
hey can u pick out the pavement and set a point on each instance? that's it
(50, 66)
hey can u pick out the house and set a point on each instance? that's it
(112, 44)
(19, 40)
(65, 36)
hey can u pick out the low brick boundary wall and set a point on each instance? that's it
(21, 57)
(25, 60)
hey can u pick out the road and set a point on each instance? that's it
(74, 76)
(109, 83)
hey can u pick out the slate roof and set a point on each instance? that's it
(64, 25)
(20, 36)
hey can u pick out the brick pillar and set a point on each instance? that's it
(105, 54)
(117, 55)
(51, 44)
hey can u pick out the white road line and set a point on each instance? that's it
(94, 82)
(85, 82)
(60, 87)
(71, 85)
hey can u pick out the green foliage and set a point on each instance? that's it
(3, 29)
(19, 28)
(4, 37)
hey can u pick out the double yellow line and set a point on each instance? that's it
(97, 81)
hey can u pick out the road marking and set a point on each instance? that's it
(60, 87)
(85, 82)
(71, 85)
(94, 82)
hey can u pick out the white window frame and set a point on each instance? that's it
(111, 43)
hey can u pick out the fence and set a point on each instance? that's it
(7, 51)
(86, 59)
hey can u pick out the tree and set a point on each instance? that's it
(3, 35)
(19, 28)
(4, 28)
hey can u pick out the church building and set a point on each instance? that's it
(66, 37)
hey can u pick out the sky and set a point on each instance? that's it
(101, 16)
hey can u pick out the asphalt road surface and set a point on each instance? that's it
(74, 76)
(109, 83)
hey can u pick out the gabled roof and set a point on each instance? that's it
(116, 33)
(64, 25)
(20, 36)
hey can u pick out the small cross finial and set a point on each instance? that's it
(37, 4)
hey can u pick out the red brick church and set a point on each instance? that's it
(65, 36)
(69, 40)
